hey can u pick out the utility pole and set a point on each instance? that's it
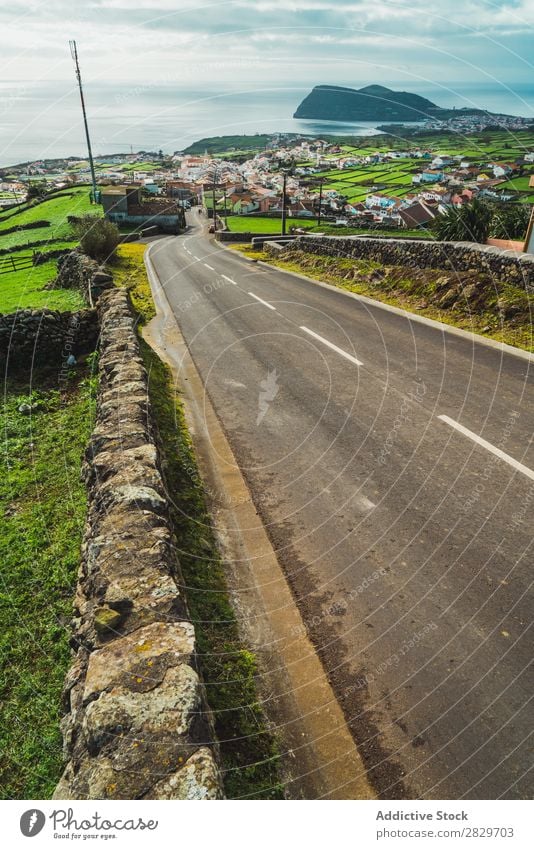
(214, 200)
(284, 204)
(74, 54)
(321, 181)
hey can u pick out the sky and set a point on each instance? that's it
(251, 42)
(162, 73)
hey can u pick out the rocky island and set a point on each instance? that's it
(373, 103)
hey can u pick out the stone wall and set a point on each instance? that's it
(228, 236)
(136, 723)
(461, 256)
(45, 338)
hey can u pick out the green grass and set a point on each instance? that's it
(516, 184)
(330, 230)
(139, 166)
(251, 224)
(25, 289)
(227, 144)
(56, 210)
(128, 270)
(248, 750)
(43, 504)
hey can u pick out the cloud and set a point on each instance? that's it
(310, 41)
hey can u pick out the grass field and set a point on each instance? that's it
(43, 505)
(250, 224)
(55, 209)
(516, 184)
(24, 289)
(393, 178)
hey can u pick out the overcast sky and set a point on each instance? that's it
(270, 42)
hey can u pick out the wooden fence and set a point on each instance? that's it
(8, 263)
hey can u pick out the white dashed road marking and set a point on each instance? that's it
(224, 277)
(332, 346)
(489, 447)
(265, 304)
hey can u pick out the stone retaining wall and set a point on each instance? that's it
(45, 338)
(136, 723)
(228, 236)
(461, 256)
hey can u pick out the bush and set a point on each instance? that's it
(511, 221)
(469, 223)
(98, 236)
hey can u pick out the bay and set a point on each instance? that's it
(43, 120)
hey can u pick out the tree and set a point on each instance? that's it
(468, 223)
(98, 236)
(37, 190)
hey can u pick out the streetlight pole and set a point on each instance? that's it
(74, 54)
(284, 204)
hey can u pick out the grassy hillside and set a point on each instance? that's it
(54, 209)
(26, 288)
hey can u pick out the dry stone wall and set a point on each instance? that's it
(45, 338)
(136, 723)
(461, 256)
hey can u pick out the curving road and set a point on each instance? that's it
(392, 464)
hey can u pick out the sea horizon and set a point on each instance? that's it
(43, 120)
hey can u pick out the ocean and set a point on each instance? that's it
(39, 120)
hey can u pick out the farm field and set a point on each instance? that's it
(395, 178)
(25, 287)
(517, 184)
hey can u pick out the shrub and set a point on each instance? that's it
(469, 223)
(98, 236)
(511, 221)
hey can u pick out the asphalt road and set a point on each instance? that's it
(370, 444)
